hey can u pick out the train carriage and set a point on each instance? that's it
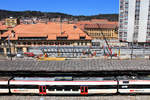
(4, 87)
(64, 85)
(75, 85)
(132, 85)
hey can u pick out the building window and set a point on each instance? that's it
(85, 43)
(29, 43)
(51, 43)
(19, 43)
(56, 43)
(24, 43)
(68, 43)
(34, 43)
(45, 43)
(61, 43)
(40, 43)
(78, 43)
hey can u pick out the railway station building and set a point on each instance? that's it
(23, 36)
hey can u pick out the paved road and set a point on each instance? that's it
(75, 98)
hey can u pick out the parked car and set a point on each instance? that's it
(19, 55)
(29, 54)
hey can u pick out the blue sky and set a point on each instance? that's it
(74, 7)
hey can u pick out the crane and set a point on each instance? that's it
(108, 47)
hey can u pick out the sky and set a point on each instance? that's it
(73, 7)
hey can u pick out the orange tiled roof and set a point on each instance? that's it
(99, 20)
(81, 24)
(50, 30)
(103, 21)
(93, 22)
(114, 23)
(3, 27)
(107, 26)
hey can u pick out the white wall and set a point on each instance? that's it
(144, 7)
(131, 19)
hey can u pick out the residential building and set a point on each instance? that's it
(134, 21)
(11, 22)
(99, 31)
(24, 36)
(3, 28)
(95, 27)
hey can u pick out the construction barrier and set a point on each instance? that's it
(51, 59)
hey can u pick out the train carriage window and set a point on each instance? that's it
(75, 89)
(67, 89)
(51, 89)
(59, 89)
(125, 81)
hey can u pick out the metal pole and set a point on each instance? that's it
(132, 51)
(9, 47)
(144, 50)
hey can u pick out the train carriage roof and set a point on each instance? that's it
(64, 78)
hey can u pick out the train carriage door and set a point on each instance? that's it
(84, 90)
(42, 90)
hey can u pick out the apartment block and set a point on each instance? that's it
(134, 21)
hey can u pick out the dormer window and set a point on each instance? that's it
(62, 38)
(82, 38)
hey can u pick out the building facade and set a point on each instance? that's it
(134, 21)
(95, 27)
(11, 22)
(24, 36)
(101, 31)
(3, 29)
